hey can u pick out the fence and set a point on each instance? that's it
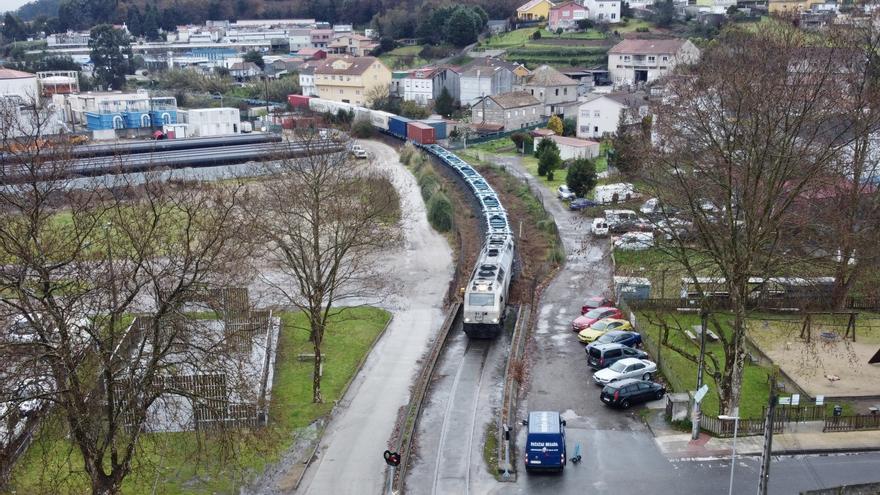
(852, 423)
(221, 415)
(747, 427)
(784, 304)
(653, 347)
(510, 395)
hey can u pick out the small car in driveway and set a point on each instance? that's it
(564, 193)
(604, 355)
(580, 204)
(624, 393)
(545, 441)
(602, 326)
(593, 302)
(358, 151)
(635, 241)
(625, 368)
(584, 321)
(599, 228)
(624, 337)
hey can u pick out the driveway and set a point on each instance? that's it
(349, 459)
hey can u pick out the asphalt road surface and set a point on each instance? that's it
(619, 452)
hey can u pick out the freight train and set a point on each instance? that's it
(486, 294)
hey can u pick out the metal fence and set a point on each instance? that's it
(785, 304)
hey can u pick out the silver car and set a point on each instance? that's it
(626, 368)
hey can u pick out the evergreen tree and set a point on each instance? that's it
(255, 57)
(150, 24)
(13, 28)
(544, 145)
(444, 103)
(461, 28)
(109, 48)
(549, 160)
(134, 21)
(581, 177)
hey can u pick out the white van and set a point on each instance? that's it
(612, 193)
(599, 227)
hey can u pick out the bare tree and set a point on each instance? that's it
(324, 220)
(741, 136)
(79, 258)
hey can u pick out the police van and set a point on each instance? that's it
(545, 441)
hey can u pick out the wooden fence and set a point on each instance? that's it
(220, 415)
(746, 427)
(852, 423)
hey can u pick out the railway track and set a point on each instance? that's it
(460, 424)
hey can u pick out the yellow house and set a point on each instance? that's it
(534, 10)
(350, 79)
(776, 6)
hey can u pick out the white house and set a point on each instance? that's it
(418, 85)
(638, 61)
(599, 114)
(485, 77)
(299, 38)
(603, 10)
(572, 148)
(307, 79)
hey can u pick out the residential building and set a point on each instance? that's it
(550, 87)
(299, 38)
(350, 79)
(572, 148)
(565, 15)
(204, 122)
(534, 10)
(321, 37)
(19, 92)
(244, 70)
(355, 45)
(514, 110)
(778, 6)
(604, 10)
(639, 61)
(447, 78)
(307, 79)
(418, 85)
(599, 115)
(20, 84)
(311, 53)
(485, 77)
(397, 77)
(498, 26)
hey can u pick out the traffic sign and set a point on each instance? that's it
(698, 397)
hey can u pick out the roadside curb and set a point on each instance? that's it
(336, 407)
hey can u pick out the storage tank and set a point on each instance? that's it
(439, 128)
(298, 102)
(397, 125)
(420, 132)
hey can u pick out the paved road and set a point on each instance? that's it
(350, 455)
(619, 452)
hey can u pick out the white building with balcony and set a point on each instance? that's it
(640, 61)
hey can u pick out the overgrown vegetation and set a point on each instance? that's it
(440, 213)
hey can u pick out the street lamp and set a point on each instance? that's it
(735, 419)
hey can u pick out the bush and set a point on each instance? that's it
(581, 177)
(536, 35)
(440, 212)
(642, 30)
(362, 129)
(417, 161)
(407, 152)
(428, 184)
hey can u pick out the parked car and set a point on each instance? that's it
(580, 204)
(592, 316)
(545, 441)
(564, 193)
(650, 207)
(603, 355)
(624, 337)
(674, 228)
(601, 327)
(624, 393)
(625, 368)
(620, 221)
(634, 241)
(599, 227)
(358, 151)
(594, 302)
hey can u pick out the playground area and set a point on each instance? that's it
(817, 350)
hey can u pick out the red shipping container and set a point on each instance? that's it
(287, 123)
(298, 101)
(420, 133)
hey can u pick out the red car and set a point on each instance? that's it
(585, 320)
(594, 302)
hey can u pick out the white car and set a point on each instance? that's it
(358, 151)
(650, 207)
(563, 193)
(635, 241)
(599, 227)
(625, 368)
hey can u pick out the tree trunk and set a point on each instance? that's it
(316, 380)
(103, 484)
(842, 283)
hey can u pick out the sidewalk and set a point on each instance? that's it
(676, 444)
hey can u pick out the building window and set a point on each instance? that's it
(626, 58)
(652, 58)
(613, 15)
(557, 92)
(508, 115)
(595, 113)
(340, 91)
(665, 58)
(585, 129)
(564, 91)
(596, 129)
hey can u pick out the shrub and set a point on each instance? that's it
(440, 212)
(362, 129)
(549, 161)
(642, 30)
(581, 177)
(407, 152)
(417, 161)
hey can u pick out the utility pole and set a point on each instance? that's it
(697, 413)
(764, 479)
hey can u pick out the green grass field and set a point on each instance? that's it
(403, 57)
(174, 463)
(510, 38)
(590, 34)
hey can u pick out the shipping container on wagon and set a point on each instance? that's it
(420, 132)
(397, 125)
(320, 105)
(439, 128)
(299, 102)
(379, 119)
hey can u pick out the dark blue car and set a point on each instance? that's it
(580, 204)
(629, 339)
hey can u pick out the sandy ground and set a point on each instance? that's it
(350, 455)
(809, 364)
